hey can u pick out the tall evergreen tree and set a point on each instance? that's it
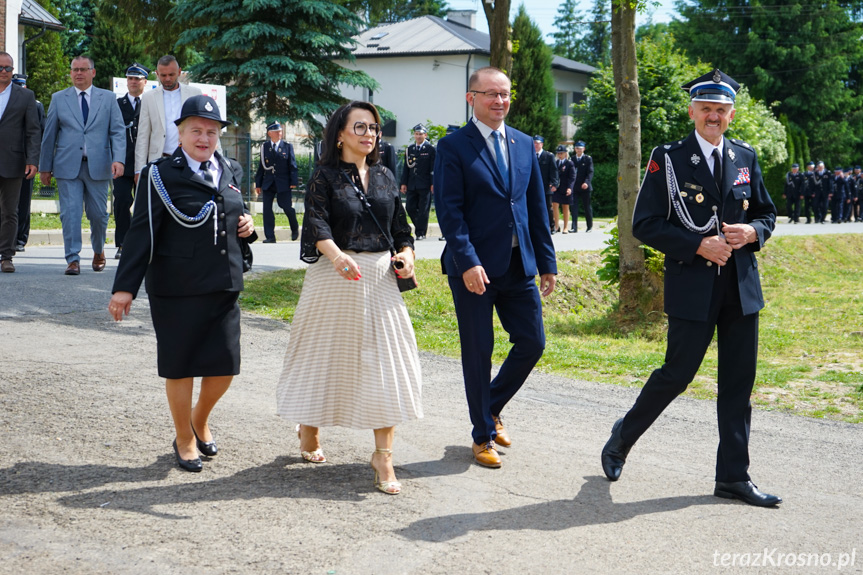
(277, 59)
(533, 111)
(115, 44)
(805, 57)
(375, 12)
(47, 66)
(597, 40)
(156, 30)
(78, 18)
(569, 25)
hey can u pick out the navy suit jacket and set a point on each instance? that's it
(478, 214)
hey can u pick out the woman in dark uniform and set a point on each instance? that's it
(184, 237)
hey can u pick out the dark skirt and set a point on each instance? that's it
(197, 336)
(560, 197)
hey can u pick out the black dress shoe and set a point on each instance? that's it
(294, 235)
(269, 241)
(193, 465)
(614, 453)
(208, 448)
(747, 492)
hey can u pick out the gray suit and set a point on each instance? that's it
(83, 179)
(19, 147)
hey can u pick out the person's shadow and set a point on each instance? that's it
(592, 505)
(40, 477)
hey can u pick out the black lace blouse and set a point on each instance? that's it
(334, 212)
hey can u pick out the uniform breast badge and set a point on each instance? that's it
(742, 177)
(745, 205)
(695, 159)
(699, 198)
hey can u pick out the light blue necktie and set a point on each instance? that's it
(501, 163)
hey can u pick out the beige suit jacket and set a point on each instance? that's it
(151, 124)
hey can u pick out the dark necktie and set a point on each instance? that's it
(206, 174)
(85, 108)
(137, 101)
(501, 163)
(717, 170)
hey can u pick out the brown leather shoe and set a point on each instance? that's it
(502, 437)
(73, 269)
(486, 455)
(7, 267)
(98, 262)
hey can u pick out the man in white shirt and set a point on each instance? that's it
(157, 134)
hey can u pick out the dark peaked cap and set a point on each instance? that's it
(715, 86)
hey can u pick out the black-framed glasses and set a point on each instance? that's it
(360, 128)
(6, 68)
(504, 96)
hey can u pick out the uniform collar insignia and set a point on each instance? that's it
(731, 154)
(695, 159)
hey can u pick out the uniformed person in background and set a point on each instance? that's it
(823, 191)
(850, 195)
(23, 232)
(549, 173)
(561, 199)
(416, 180)
(124, 186)
(837, 195)
(704, 205)
(809, 192)
(277, 177)
(583, 185)
(858, 188)
(795, 182)
(387, 155)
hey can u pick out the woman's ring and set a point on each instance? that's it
(344, 269)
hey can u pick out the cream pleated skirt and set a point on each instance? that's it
(352, 357)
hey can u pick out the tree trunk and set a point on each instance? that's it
(636, 288)
(499, 30)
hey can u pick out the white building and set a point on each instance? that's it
(423, 66)
(14, 16)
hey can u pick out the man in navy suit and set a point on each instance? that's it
(491, 209)
(83, 147)
(704, 205)
(277, 176)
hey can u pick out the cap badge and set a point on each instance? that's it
(208, 107)
(716, 77)
(695, 159)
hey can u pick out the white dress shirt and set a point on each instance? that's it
(173, 101)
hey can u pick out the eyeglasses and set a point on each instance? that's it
(360, 128)
(504, 96)
(81, 69)
(6, 68)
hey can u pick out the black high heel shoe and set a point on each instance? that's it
(193, 465)
(208, 448)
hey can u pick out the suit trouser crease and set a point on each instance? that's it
(516, 299)
(737, 344)
(10, 192)
(285, 202)
(76, 196)
(417, 205)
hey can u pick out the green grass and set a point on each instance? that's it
(811, 331)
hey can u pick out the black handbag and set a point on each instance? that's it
(405, 284)
(246, 251)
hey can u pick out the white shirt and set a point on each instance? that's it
(4, 98)
(707, 150)
(195, 166)
(173, 101)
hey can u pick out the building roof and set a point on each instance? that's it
(434, 36)
(32, 14)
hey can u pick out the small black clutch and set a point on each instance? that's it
(405, 284)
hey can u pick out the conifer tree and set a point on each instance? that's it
(533, 110)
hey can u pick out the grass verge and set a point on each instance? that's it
(810, 337)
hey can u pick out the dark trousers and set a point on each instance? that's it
(548, 203)
(820, 207)
(124, 196)
(737, 339)
(808, 204)
(417, 206)
(836, 208)
(793, 205)
(10, 192)
(285, 202)
(516, 299)
(583, 197)
(24, 212)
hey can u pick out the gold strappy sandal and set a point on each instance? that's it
(316, 456)
(388, 487)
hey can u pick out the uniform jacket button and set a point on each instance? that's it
(223, 252)
(709, 264)
(222, 233)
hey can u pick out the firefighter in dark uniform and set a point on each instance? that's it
(823, 191)
(583, 185)
(416, 180)
(795, 182)
(837, 196)
(549, 173)
(850, 196)
(704, 205)
(124, 186)
(858, 193)
(809, 192)
(387, 155)
(277, 177)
